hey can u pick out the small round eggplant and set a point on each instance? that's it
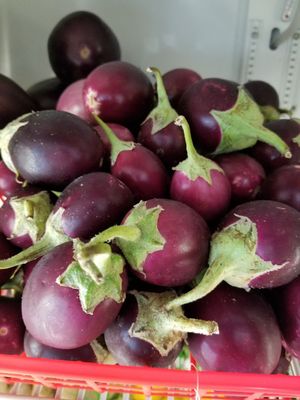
(46, 93)
(51, 148)
(158, 132)
(224, 118)
(56, 305)
(176, 82)
(283, 185)
(12, 329)
(173, 247)
(249, 337)
(79, 43)
(140, 169)
(256, 246)
(14, 101)
(245, 175)
(118, 92)
(199, 182)
(9, 184)
(71, 100)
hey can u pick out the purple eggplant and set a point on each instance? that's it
(9, 183)
(80, 42)
(51, 148)
(71, 100)
(283, 185)
(136, 166)
(176, 82)
(6, 250)
(199, 182)
(249, 337)
(224, 118)
(267, 98)
(268, 156)
(12, 329)
(136, 336)
(23, 217)
(174, 244)
(90, 204)
(256, 246)
(46, 93)
(286, 303)
(118, 92)
(14, 101)
(245, 175)
(158, 132)
(92, 352)
(76, 290)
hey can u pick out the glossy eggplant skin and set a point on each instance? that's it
(12, 328)
(45, 93)
(54, 148)
(79, 43)
(14, 101)
(249, 339)
(286, 303)
(6, 250)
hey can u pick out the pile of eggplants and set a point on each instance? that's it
(144, 212)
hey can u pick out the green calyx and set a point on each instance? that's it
(150, 240)
(162, 328)
(194, 166)
(242, 126)
(96, 272)
(163, 114)
(52, 237)
(296, 140)
(117, 145)
(270, 113)
(232, 259)
(31, 214)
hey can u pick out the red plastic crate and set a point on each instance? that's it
(148, 381)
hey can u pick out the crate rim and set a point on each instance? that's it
(147, 376)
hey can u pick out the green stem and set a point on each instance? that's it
(113, 139)
(267, 136)
(191, 325)
(28, 208)
(214, 275)
(162, 96)
(190, 148)
(125, 232)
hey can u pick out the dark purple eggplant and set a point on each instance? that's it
(14, 101)
(80, 42)
(12, 329)
(200, 182)
(249, 337)
(136, 336)
(90, 204)
(119, 92)
(256, 246)
(46, 93)
(245, 175)
(23, 217)
(266, 96)
(176, 82)
(283, 185)
(140, 169)
(92, 352)
(9, 183)
(268, 156)
(51, 148)
(158, 132)
(76, 291)
(286, 303)
(174, 244)
(6, 250)
(224, 118)
(71, 100)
